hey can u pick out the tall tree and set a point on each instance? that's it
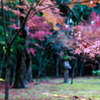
(8, 44)
(21, 67)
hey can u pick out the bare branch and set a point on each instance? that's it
(3, 15)
(10, 22)
(23, 23)
(38, 12)
(55, 5)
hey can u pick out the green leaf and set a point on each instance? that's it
(66, 57)
(39, 15)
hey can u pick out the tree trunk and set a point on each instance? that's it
(66, 76)
(2, 65)
(28, 61)
(73, 71)
(30, 78)
(12, 81)
(7, 74)
(81, 70)
(61, 68)
(38, 76)
(57, 67)
(0, 72)
(29, 68)
(20, 78)
(99, 69)
(21, 72)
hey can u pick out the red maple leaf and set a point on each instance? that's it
(20, 33)
(76, 97)
(77, 51)
(79, 38)
(92, 55)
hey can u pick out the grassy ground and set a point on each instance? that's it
(55, 89)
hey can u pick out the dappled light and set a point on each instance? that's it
(55, 95)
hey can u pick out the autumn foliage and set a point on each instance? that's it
(88, 36)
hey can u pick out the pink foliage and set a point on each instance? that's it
(37, 44)
(41, 29)
(88, 36)
(14, 26)
(77, 51)
(93, 15)
(38, 23)
(31, 50)
(37, 28)
(40, 34)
